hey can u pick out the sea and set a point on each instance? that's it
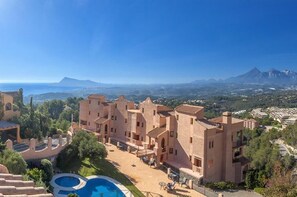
(35, 88)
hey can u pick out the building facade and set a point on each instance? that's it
(210, 150)
(8, 130)
(250, 123)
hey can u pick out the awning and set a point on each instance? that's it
(4, 125)
(156, 132)
(101, 120)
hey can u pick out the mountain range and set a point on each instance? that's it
(273, 76)
(254, 76)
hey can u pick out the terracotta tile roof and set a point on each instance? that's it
(220, 120)
(188, 109)
(206, 124)
(156, 132)
(165, 113)
(106, 103)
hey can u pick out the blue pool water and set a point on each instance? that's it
(67, 181)
(97, 187)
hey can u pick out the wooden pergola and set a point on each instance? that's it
(6, 126)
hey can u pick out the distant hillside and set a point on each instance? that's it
(70, 82)
(255, 76)
(272, 76)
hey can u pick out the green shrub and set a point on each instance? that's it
(47, 167)
(222, 185)
(13, 161)
(259, 190)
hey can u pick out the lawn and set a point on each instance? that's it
(100, 167)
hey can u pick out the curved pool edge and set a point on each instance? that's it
(83, 182)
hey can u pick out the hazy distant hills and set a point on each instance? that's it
(70, 82)
(255, 76)
(272, 76)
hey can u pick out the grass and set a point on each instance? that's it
(100, 167)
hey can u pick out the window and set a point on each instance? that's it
(190, 158)
(197, 162)
(177, 117)
(170, 150)
(171, 133)
(112, 117)
(138, 123)
(111, 130)
(126, 107)
(142, 124)
(154, 112)
(192, 120)
(89, 112)
(142, 110)
(210, 163)
(89, 101)
(191, 140)
(115, 130)
(125, 133)
(106, 127)
(210, 144)
(8, 106)
(116, 106)
(129, 134)
(126, 120)
(98, 114)
(175, 152)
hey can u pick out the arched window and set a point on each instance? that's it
(8, 106)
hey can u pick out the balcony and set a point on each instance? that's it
(238, 144)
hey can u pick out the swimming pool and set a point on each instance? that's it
(67, 181)
(99, 186)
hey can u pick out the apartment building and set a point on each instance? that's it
(182, 138)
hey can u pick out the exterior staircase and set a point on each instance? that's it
(14, 186)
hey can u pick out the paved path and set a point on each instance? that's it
(146, 178)
(142, 176)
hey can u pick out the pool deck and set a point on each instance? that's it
(145, 178)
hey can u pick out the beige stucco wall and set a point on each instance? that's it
(8, 114)
(217, 160)
(47, 152)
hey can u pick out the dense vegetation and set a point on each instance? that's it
(270, 173)
(84, 145)
(48, 118)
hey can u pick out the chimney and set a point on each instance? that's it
(227, 118)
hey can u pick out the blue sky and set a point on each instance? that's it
(138, 41)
